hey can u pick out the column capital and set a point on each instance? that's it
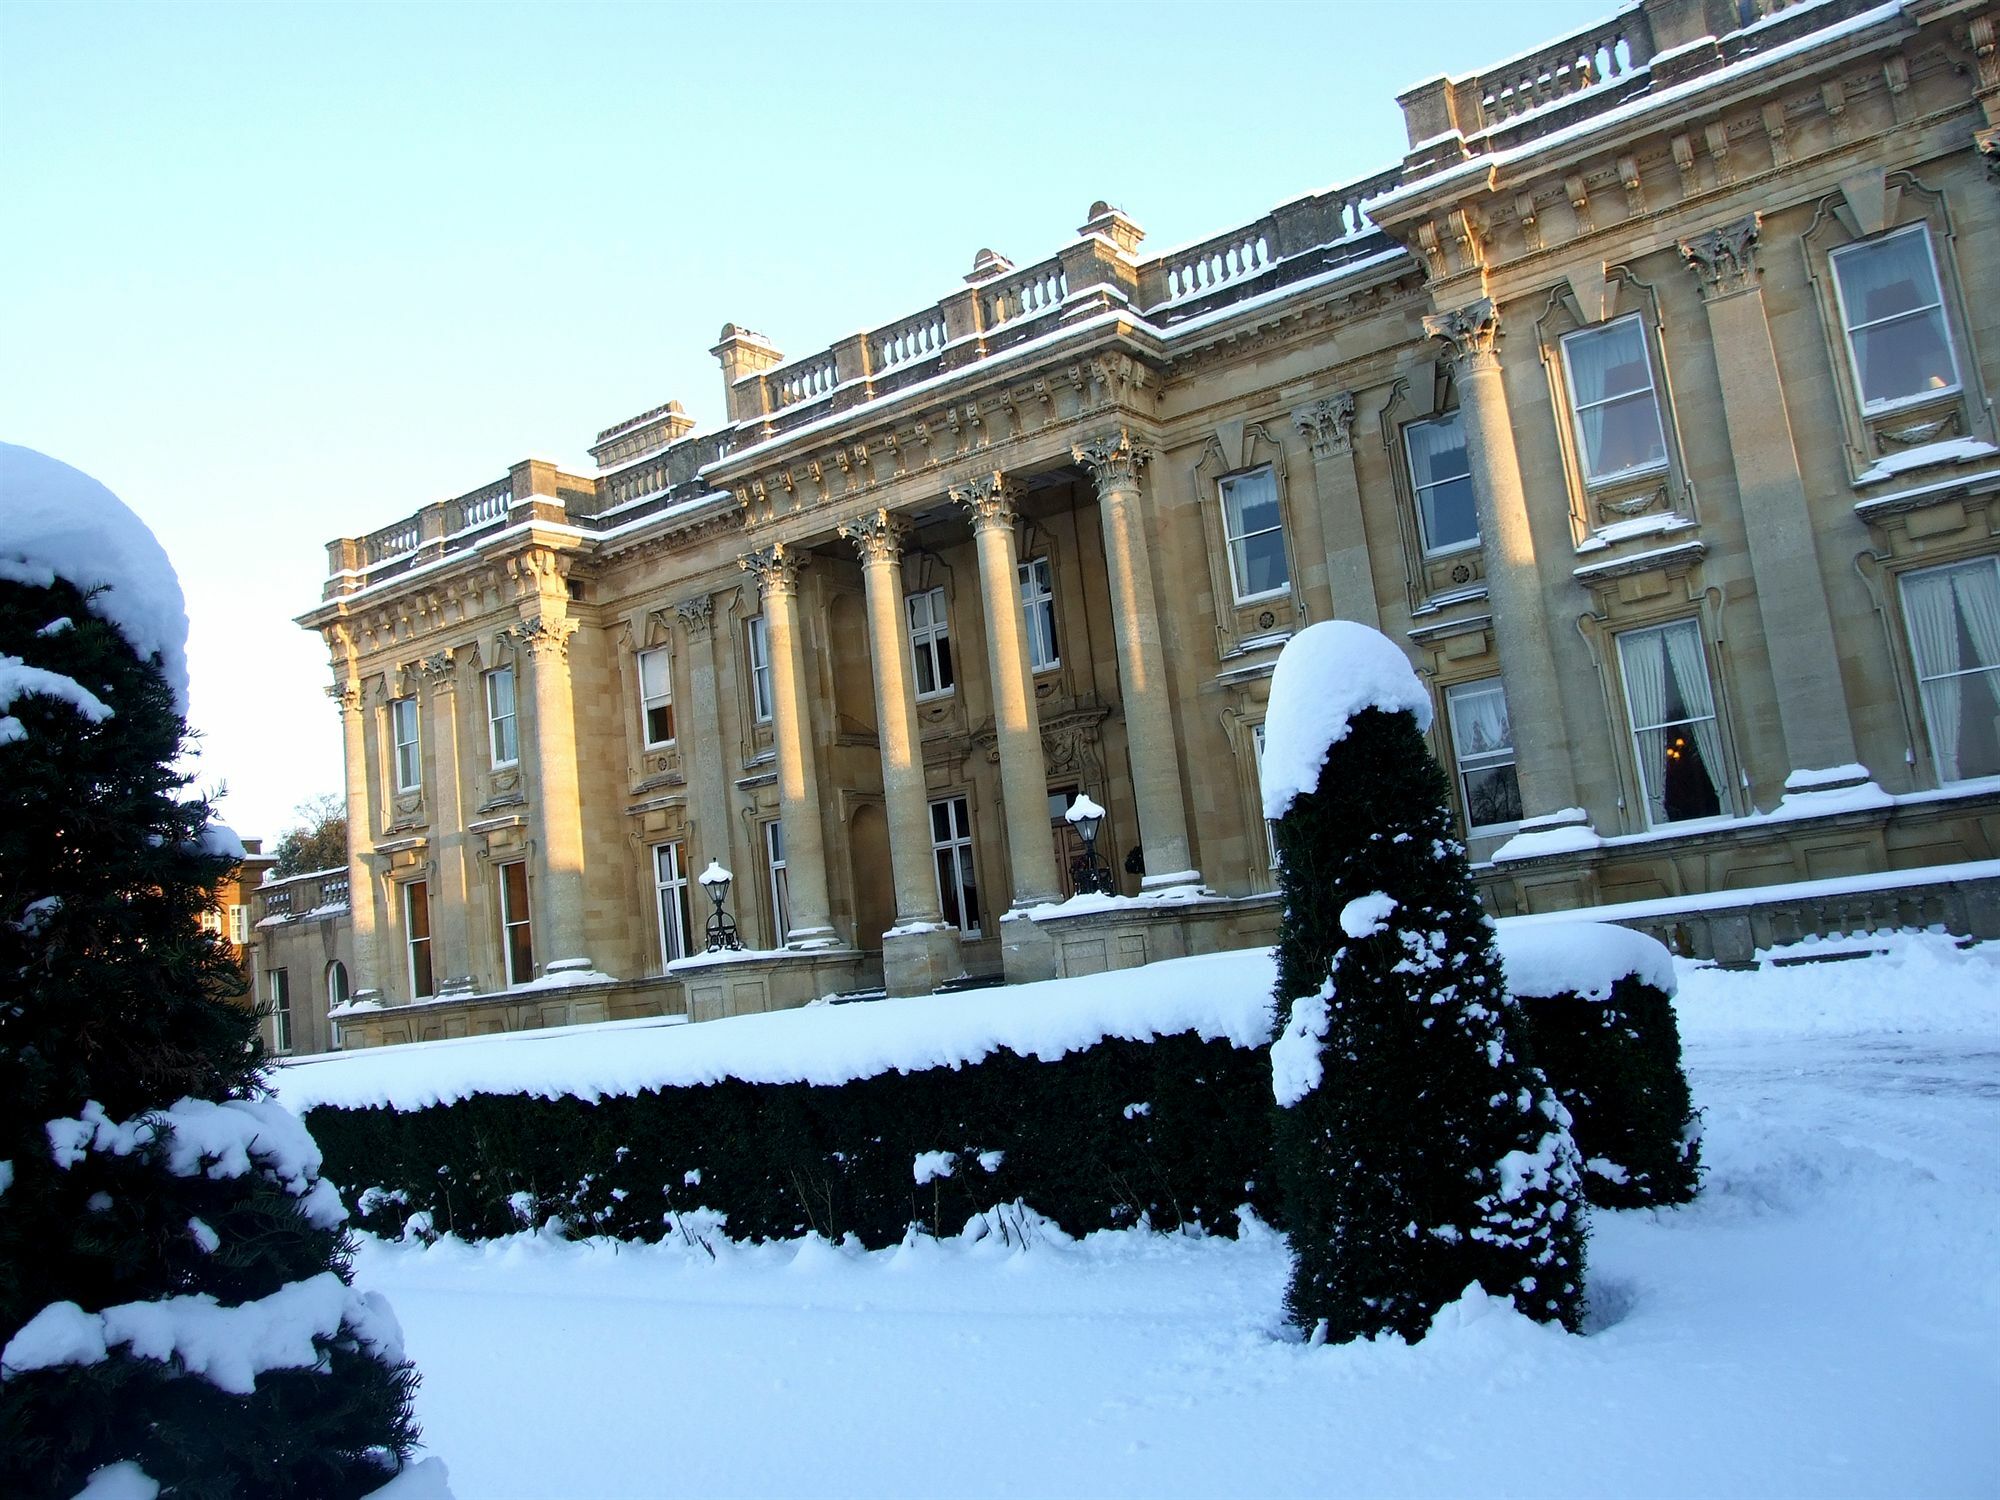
(440, 671)
(776, 568)
(697, 616)
(1471, 334)
(544, 635)
(1725, 258)
(1112, 458)
(988, 498)
(1328, 424)
(877, 536)
(346, 696)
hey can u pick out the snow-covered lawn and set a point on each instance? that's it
(1824, 1321)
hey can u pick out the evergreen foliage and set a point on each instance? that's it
(1428, 1153)
(1616, 1065)
(111, 992)
(1170, 1132)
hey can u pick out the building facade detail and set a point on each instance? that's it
(1646, 400)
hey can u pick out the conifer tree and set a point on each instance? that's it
(173, 1272)
(1418, 1151)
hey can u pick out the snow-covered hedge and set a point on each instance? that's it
(1094, 1101)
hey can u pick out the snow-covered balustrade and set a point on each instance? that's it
(1216, 262)
(302, 895)
(1610, 49)
(486, 504)
(1036, 289)
(392, 541)
(908, 338)
(803, 379)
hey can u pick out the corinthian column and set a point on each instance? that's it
(1791, 592)
(1513, 581)
(552, 788)
(1024, 777)
(364, 894)
(922, 951)
(1113, 461)
(776, 569)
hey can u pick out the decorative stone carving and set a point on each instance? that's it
(1113, 459)
(545, 635)
(1328, 424)
(346, 696)
(440, 671)
(988, 498)
(1471, 334)
(877, 536)
(697, 616)
(776, 568)
(1725, 259)
(1988, 142)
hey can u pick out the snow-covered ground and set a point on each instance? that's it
(1824, 1321)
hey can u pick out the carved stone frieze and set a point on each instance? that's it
(1328, 424)
(989, 499)
(1112, 459)
(1471, 334)
(877, 536)
(776, 568)
(1725, 259)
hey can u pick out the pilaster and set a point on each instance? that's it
(1790, 589)
(365, 896)
(451, 947)
(1328, 428)
(702, 734)
(557, 867)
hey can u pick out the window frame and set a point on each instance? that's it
(1270, 827)
(957, 847)
(340, 994)
(778, 878)
(757, 650)
(1719, 774)
(278, 983)
(1664, 463)
(673, 923)
(1037, 578)
(930, 643)
(503, 749)
(1418, 487)
(1225, 487)
(1487, 760)
(420, 954)
(650, 701)
(515, 919)
(408, 760)
(239, 924)
(1918, 677)
(1870, 411)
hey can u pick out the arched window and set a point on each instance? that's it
(336, 983)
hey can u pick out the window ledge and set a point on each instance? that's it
(1954, 451)
(1682, 553)
(1602, 537)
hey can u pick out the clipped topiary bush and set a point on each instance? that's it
(1598, 1005)
(1417, 1149)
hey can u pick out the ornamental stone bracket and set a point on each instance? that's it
(1328, 425)
(989, 499)
(776, 568)
(1471, 334)
(1112, 459)
(1725, 259)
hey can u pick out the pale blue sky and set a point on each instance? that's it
(282, 273)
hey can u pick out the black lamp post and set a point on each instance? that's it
(1088, 871)
(721, 930)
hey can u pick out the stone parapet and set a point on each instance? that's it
(526, 1009)
(749, 983)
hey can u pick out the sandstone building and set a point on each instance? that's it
(1646, 401)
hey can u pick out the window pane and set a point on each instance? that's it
(1450, 516)
(1607, 362)
(1260, 564)
(1887, 277)
(1622, 437)
(1890, 302)
(1437, 450)
(1492, 795)
(1251, 501)
(1904, 358)
(1441, 473)
(1479, 722)
(653, 681)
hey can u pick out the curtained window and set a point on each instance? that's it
(1954, 621)
(1892, 310)
(502, 741)
(930, 642)
(1441, 475)
(656, 696)
(1256, 534)
(1674, 727)
(1614, 402)
(1482, 740)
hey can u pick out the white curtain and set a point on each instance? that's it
(1684, 656)
(1646, 687)
(1618, 435)
(1927, 600)
(1894, 279)
(1480, 722)
(1978, 590)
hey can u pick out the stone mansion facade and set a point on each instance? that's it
(1645, 402)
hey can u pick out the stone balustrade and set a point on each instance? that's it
(482, 507)
(303, 895)
(911, 338)
(1611, 49)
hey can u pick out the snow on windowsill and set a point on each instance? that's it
(1954, 451)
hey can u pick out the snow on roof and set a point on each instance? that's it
(1327, 674)
(58, 522)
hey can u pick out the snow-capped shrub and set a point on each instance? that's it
(867, 1157)
(1416, 1148)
